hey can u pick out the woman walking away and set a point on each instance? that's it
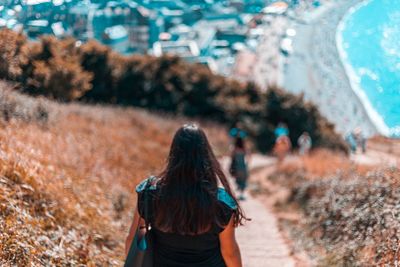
(238, 167)
(191, 218)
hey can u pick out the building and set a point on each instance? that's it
(117, 38)
(35, 28)
(228, 27)
(36, 9)
(244, 64)
(204, 37)
(185, 49)
(139, 39)
(78, 19)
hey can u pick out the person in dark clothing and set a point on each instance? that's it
(238, 168)
(192, 219)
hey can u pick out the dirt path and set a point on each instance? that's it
(260, 241)
(375, 158)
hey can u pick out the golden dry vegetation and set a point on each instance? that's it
(67, 181)
(385, 145)
(341, 212)
(321, 163)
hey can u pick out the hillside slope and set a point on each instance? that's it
(339, 210)
(67, 174)
(91, 72)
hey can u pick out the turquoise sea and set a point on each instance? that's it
(369, 41)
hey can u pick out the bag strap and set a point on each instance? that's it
(146, 202)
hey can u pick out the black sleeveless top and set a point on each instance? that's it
(175, 250)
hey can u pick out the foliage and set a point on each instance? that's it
(95, 59)
(68, 70)
(53, 68)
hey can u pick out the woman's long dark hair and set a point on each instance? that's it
(188, 201)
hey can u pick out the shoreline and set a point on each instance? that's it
(353, 77)
(317, 70)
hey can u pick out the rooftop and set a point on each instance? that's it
(185, 49)
(116, 32)
(38, 23)
(36, 2)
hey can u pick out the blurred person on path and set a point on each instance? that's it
(282, 147)
(238, 167)
(190, 207)
(305, 143)
(356, 140)
(282, 141)
(351, 141)
(360, 139)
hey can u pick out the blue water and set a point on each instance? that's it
(371, 40)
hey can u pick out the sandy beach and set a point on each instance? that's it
(315, 68)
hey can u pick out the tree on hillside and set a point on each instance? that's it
(11, 45)
(199, 97)
(167, 82)
(52, 68)
(155, 83)
(96, 59)
(132, 85)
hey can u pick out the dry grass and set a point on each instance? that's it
(386, 145)
(66, 185)
(323, 162)
(346, 214)
(14, 106)
(355, 220)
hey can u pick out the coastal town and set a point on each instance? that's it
(223, 35)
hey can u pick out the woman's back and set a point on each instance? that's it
(174, 249)
(192, 220)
